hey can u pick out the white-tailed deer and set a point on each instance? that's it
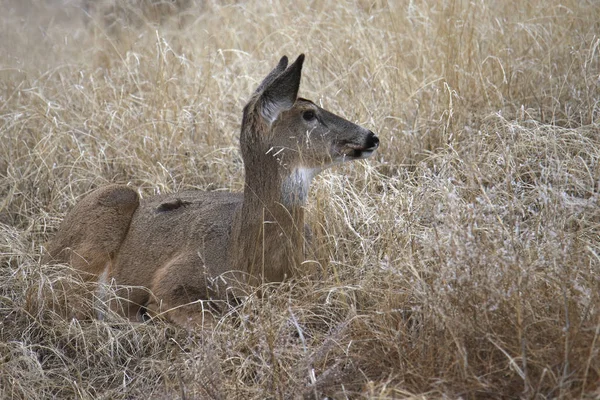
(192, 247)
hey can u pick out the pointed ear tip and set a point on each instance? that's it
(299, 61)
(282, 64)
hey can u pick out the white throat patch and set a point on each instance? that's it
(294, 189)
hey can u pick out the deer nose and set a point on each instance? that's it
(372, 141)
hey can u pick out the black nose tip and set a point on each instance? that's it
(372, 141)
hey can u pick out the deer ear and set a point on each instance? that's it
(280, 95)
(273, 74)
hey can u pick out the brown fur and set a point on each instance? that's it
(90, 236)
(194, 249)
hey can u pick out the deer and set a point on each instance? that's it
(177, 255)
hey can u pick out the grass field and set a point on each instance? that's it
(461, 261)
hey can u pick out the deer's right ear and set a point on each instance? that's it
(273, 74)
(281, 94)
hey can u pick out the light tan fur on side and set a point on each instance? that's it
(191, 249)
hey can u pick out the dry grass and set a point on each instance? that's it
(463, 260)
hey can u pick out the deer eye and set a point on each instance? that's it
(309, 115)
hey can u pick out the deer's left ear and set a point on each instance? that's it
(280, 95)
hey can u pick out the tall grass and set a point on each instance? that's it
(463, 260)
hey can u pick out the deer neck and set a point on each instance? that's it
(269, 232)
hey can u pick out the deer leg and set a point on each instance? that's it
(181, 294)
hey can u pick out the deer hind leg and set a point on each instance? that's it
(94, 229)
(130, 302)
(91, 234)
(182, 293)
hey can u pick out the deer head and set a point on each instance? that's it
(293, 136)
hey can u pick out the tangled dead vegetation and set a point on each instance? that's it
(462, 261)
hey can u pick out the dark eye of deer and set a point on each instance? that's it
(309, 115)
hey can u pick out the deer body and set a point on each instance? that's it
(195, 246)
